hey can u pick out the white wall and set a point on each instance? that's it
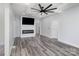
(37, 25)
(69, 29)
(2, 24)
(18, 27)
(14, 27)
(49, 26)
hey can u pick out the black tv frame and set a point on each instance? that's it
(29, 22)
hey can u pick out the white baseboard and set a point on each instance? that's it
(65, 42)
(48, 36)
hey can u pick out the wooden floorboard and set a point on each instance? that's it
(42, 46)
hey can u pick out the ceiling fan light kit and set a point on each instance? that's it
(44, 10)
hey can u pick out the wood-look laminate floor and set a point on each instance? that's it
(42, 47)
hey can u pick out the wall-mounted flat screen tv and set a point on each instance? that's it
(27, 21)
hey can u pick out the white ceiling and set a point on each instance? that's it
(23, 9)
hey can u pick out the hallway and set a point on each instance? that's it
(42, 46)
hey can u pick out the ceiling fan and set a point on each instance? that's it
(44, 10)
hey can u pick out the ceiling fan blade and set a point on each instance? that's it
(40, 6)
(51, 9)
(35, 9)
(48, 6)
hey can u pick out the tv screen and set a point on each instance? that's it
(27, 21)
